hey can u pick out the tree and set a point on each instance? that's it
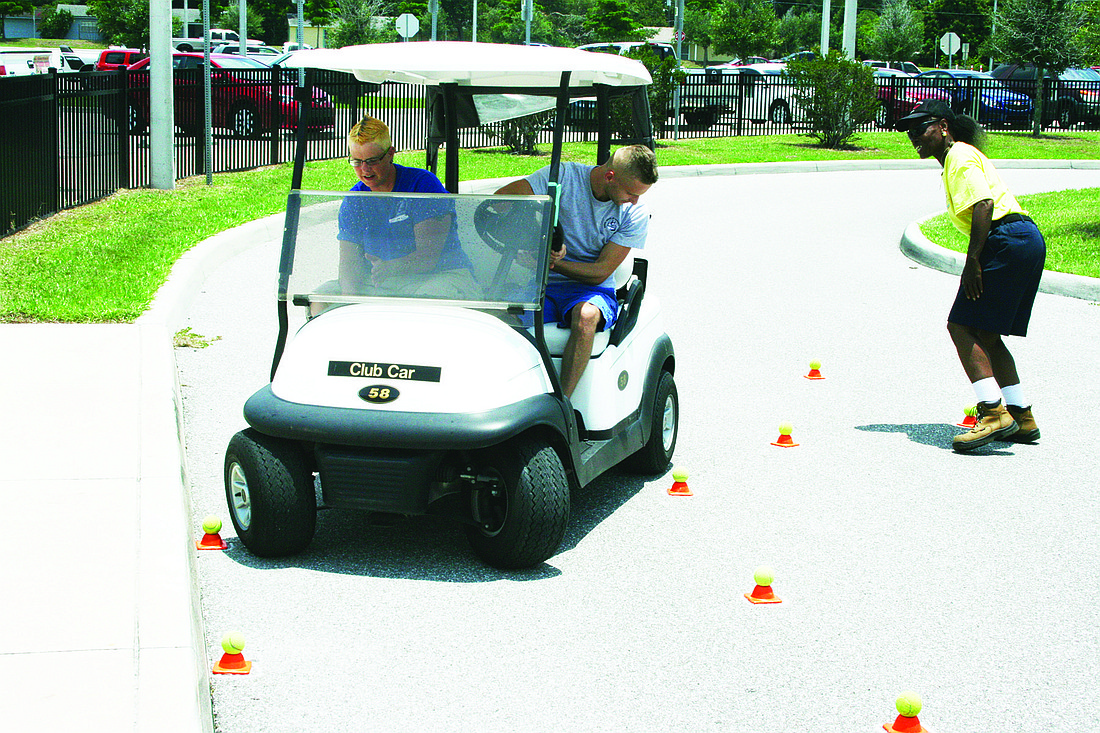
(745, 28)
(612, 20)
(699, 30)
(354, 23)
(122, 22)
(12, 7)
(969, 19)
(1088, 37)
(55, 23)
(899, 33)
(1042, 33)
(799, 31)
(836, 94)
(230, 19)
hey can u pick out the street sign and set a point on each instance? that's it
(407, 25)
(950, 43)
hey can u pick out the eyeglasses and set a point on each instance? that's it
(369, 162)
(917, 130)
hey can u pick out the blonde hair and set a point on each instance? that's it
(637, 162)
(371, 130)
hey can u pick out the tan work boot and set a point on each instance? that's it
(1029, 431)
(994, 423)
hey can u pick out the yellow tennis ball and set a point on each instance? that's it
(764, 575)
(212, 524)
(815, 364)
(679, 474)
(233, 642)
(908, 704)
(785, 428)
(971, 410)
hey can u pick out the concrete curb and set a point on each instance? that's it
(173, 688)
(922, 250)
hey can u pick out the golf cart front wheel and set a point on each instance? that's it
(656, 454)
(269, 488)
(520, 505)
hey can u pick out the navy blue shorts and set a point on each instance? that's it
(1012, 265)
(561, 298)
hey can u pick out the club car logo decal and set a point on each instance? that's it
(375, 370)
(379, 394)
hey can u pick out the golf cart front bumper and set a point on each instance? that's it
(277, 417)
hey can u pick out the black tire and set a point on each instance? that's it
(884, 117)
(269, 489)
(1067, 115)
(522, 523)
(656, 454)
(245, 121)
(780, 113)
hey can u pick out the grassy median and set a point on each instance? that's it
(104, 262)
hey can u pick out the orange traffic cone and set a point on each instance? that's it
(232, 662)
(815, 370)
(908, 705)
(785, 440)
(679, 483)
(211, 540)
(971, 418)
(763, 593)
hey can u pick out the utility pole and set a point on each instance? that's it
(162, 118)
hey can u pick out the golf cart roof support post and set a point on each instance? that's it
(603, 123)
(450, 117)
(303, 96)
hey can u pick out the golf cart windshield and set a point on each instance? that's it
(479, 251)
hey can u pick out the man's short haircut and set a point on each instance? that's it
(371, 130)
(637, 162)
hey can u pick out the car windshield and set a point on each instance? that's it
(480, 251)
(1080, 75)
(239, 62)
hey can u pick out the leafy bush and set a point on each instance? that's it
(520, 134)
(56, 23)
(666, 76)
(836, 94)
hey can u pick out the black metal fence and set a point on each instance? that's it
(73, 138)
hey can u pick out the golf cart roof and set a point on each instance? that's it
(475, 65)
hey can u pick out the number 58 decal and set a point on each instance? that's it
(379, 394)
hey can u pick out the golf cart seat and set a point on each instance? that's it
(629, 289)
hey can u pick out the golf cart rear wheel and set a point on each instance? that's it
(269, 488)
(656, 454)
(521, 508)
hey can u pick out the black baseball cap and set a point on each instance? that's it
(926, 111)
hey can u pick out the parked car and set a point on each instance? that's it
(251, 49)
(1076, 93)
(899, 98)
(112, 59)
(906, 66)
(772, 99)
(995, 104)
(241, 103)
(748, 60)
(27, 61)
(663, 50)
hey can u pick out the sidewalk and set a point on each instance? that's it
(102, 625)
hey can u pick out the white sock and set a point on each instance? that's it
(1014, 395)
(987, 390)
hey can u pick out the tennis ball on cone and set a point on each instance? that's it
(233, 642)
(815, 364)
(212, 524)
(908, 704)
(764, 575)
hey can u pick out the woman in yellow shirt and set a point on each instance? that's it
(1004, 263)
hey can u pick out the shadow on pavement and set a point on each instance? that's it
(429, 548)
(936, 435)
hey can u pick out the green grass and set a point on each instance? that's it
(104, 262)
(1069, 221)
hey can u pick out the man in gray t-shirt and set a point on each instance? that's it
(601, 220)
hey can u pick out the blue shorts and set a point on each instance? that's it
(1012, 265)
(561, 298)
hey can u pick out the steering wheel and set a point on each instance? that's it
(519, 227)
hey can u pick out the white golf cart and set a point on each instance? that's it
(438, 392)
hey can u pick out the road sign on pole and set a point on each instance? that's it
(407, 25)
(950, 43)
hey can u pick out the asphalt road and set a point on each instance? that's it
(972, 579)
